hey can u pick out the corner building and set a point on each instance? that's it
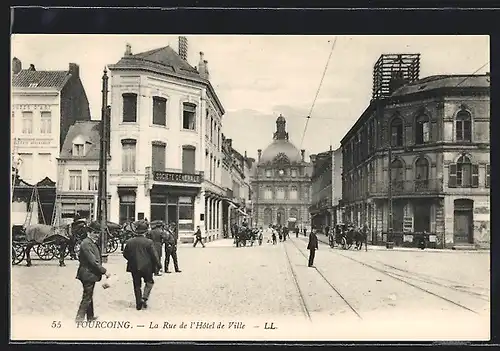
(436, 130)
(166, 122)
(281, 183)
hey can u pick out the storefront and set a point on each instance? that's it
(174, 205)
(42, 197)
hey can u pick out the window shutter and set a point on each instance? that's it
(487, 180)
(452, 176)
(475, 176)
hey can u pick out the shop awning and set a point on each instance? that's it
(242, 212)
(231, 202)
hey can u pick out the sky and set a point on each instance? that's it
(257, 78)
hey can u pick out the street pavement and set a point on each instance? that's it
(438, 293)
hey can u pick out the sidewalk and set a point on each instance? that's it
(322, 238)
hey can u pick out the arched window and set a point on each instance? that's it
(268, 216)
(293, 193)
(422, 129)
(421, 173)
(128, 155)
(397, 174)
(294, 213)
(397, 132)
(269, 173)
(463, 174)
(463, 126)
(268, 193)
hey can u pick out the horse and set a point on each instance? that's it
(40, 234)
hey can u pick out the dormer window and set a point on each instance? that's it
(78, 146)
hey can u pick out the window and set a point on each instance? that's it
(463, 174)
(397, 132)
(188, 159)
(44, 160)
(186, 213)
(158, 155)
(207, 123)
(487, 177)
(27, 122)
(306, 194)
(268, 216)
(211, 129)
(293, 172)
(269, 173)
(128, 155)
(294, 213)
(93, 180)
(46, 122)
(293, 193)
(422, 130)
(129, 107)
(268, 194)
(421, 173)
(75, 180)
(159, 111)
(26, 166)
(127, 208)
(78, 150)
(463, 126)
(280, 193)
(189, 116)
(397, 174)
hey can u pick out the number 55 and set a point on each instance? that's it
(56, 324)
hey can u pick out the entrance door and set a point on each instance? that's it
(172, 215)
(280, 217)
(462, 228)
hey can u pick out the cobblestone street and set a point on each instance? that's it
(273, 283)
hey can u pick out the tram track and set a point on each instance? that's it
(303, 304)
(405, 280)
(351, 307)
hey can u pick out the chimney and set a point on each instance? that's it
(313, 158)
(246, 156)
(302, 154)
(17, 66)
(202, 66)
(259, 152)
(128, 50)
(74, 69)
(32, 67)
(183, 48)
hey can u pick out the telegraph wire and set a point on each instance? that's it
(317, 92)
(473, 73)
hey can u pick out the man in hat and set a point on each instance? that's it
(312, 246)
(142, 262)
(198, 237)
(171, 248)
(157, 234)
(89, 271)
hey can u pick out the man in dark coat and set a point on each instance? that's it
(142, 262)
(171, 249)
(198, 237)
(296, 232)
(89, 271)
(312, 247)
(157, 234)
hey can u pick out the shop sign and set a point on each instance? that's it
(171, 177)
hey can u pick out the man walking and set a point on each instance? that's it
(296, 232)
(198, 237)
(312, 247)
(89, 271)
(157, 234)
(171, 250)
(142, 262)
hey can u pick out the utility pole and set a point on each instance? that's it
(102, 210)
(389, 237)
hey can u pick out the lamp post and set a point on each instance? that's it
(102, 210)
(389, 236)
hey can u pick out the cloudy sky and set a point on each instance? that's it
(257, 78)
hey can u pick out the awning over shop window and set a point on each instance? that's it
(243, 213)
(231, 203)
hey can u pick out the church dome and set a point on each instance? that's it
(278, 147)
(281, 148)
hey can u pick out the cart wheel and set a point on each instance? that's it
(17, 253)
(344, 243)
(46, 252)
(112, 245)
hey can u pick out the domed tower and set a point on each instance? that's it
(281, 185)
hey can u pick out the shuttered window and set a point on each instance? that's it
(158, 155)
(159, 111)
(487, 177)
(475, 176)
(129, 107)
(189, 116)
(128, 155)
(188, 159)
(452, 176)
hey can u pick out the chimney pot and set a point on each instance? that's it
(128, 49)
(259, 152)
(74, 69)
(201, 55)
(302, 153)
(32, 67)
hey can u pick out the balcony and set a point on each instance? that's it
(407, 187)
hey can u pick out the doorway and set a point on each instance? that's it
(463, 221)
(172, 215)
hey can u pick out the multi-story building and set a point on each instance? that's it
(326, 186)
(419, 155)
(281, 183)
(79, 171)
(236, 180)
(165, 131)
(44, 105)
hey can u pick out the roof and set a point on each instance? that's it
(164, 60)
(280, 146)
(90, 132)
(43, 79)
(444, 81)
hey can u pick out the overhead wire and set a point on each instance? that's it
(472, 74)
(317, 92)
